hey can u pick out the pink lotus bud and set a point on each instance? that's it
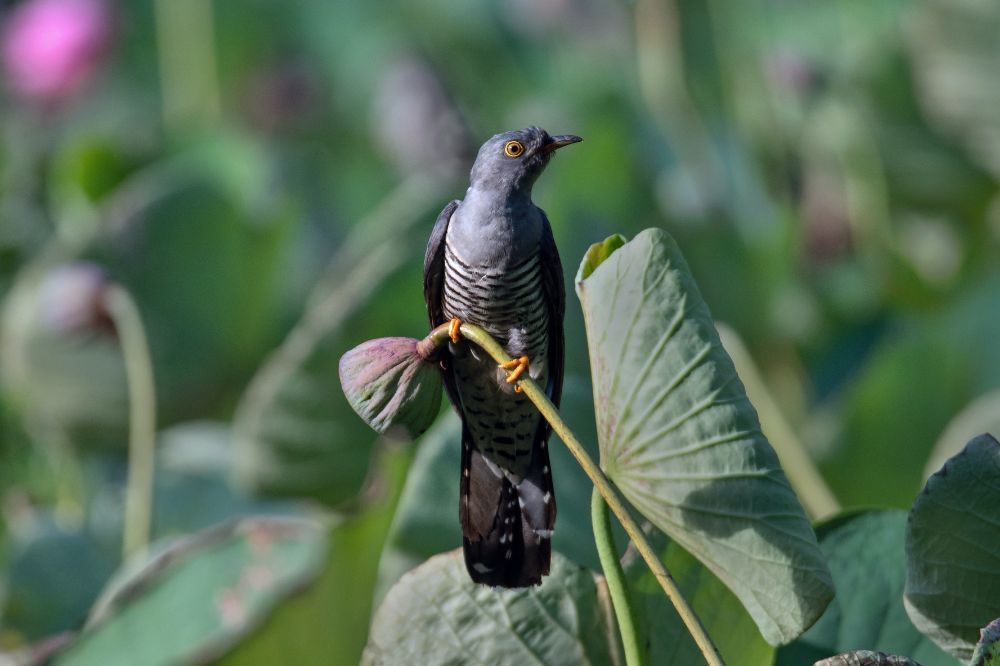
(71, 299)
(50, 48)
(391, 385)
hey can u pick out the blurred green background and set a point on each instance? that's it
(262, 176)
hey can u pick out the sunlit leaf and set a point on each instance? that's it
(953, 549)
(436, 615)
(598, 252)
(682, 441)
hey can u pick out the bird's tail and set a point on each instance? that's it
(507, 524)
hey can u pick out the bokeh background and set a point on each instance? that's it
(261, 176)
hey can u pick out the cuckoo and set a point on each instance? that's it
(491, 261)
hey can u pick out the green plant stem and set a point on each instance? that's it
(615, 576)
(142, 418)
(601, 482)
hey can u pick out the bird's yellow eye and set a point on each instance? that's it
(513, 149)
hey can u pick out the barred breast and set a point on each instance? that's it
(508, 302)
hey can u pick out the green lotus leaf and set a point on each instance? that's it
(436, 615)
(683, 443)
(953, 549)
(662, 632)
(865, 551)
(224, 581)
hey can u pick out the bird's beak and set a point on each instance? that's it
(556, 142)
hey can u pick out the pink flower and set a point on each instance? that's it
(50, 48)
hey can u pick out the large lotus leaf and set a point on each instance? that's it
(328, 622)
(682, 441)
(865, 552)
(436, 615)
(200, 595)
(664, 635)
(953, 549)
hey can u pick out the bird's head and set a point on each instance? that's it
(512, 161)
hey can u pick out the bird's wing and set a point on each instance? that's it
(434, 290)
(434, 266)
(555, 297)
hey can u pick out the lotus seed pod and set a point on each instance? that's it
(390, 385)
(988, 651)
(866, 658)
(71, 299)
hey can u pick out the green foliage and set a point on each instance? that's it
(437, 614)
(681, 440)
(327, 623)
(830, 170)
(296, 432)
(865, 551)
(225, 579)
(53, 578)
(727, 622)
(952, 546)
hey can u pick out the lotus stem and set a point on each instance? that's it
(615, 576)
(142, 418)
(601, 482)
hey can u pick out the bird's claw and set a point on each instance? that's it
(517, 367)
(453, 329)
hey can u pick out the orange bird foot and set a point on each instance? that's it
(517, 366)
(453, 329)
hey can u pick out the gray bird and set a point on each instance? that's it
(491, 261)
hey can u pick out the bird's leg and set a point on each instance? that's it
(453, 329)
(517, 366)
